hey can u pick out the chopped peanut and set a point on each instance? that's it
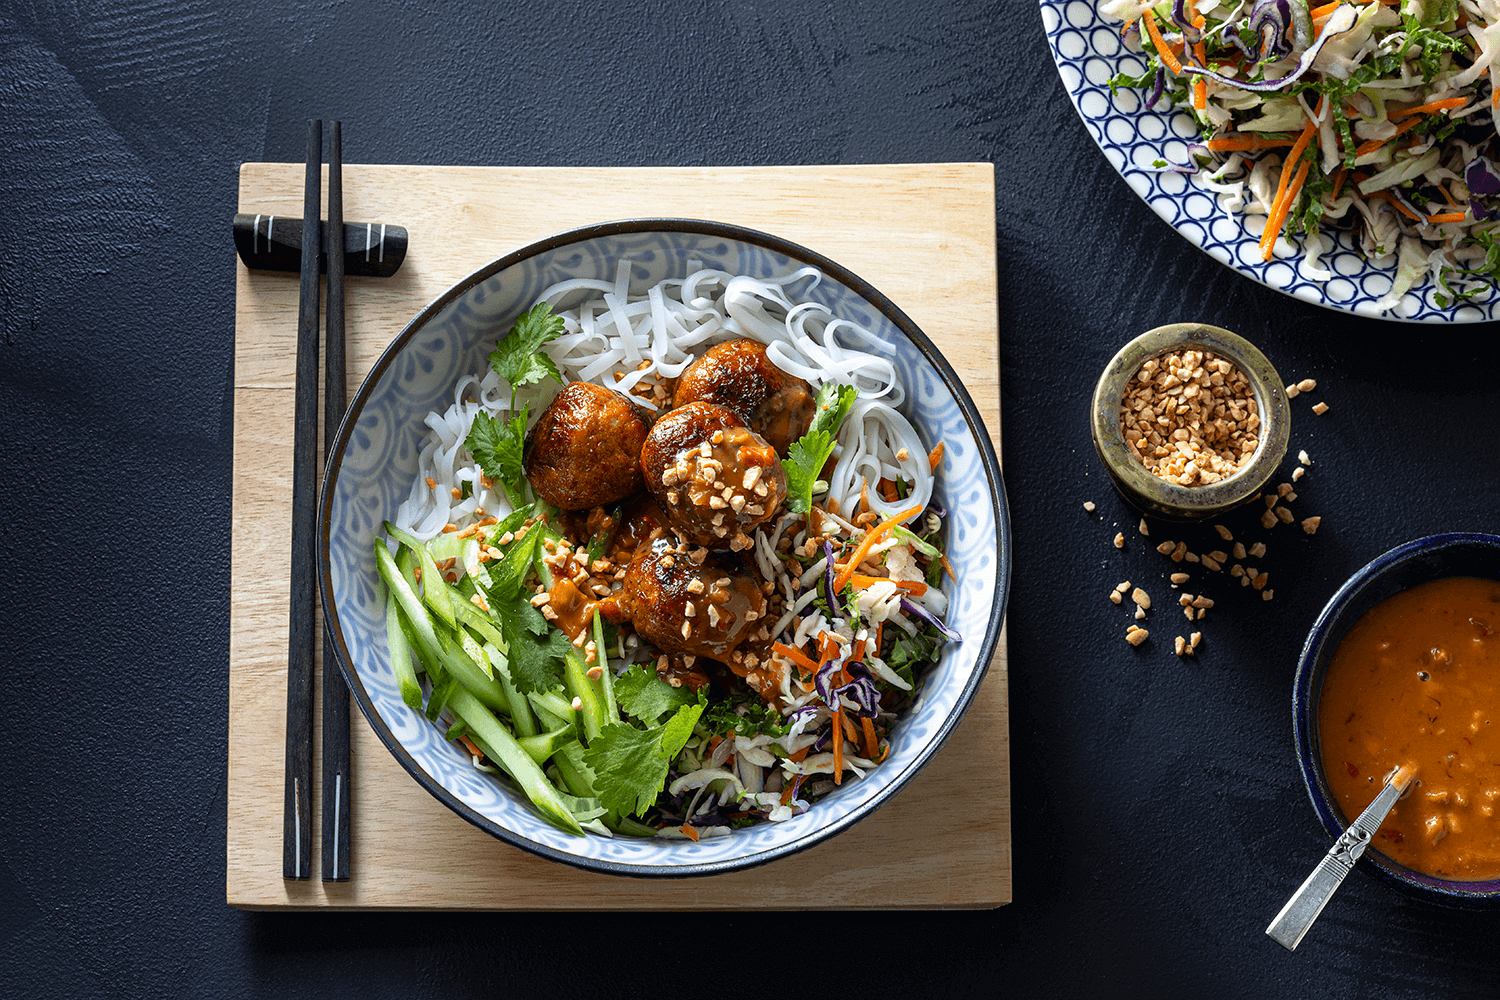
(1310, 525)
(1190, 417)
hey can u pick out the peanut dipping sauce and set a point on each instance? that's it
(1416, 681)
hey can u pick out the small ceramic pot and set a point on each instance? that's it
(1148, 492)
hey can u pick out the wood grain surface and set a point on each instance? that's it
(922, 234)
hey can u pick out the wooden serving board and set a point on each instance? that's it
(922, 234)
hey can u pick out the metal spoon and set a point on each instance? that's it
(1297, 916)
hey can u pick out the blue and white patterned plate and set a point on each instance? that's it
(1089, 52)
(374, 460)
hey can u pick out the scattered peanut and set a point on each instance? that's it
(1136, 635)
(1310, 525)
(1119, 540)
(1320, 409)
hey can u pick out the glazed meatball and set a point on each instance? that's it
(585, 449)
(716, 478)
(737, 374)
(683, 599)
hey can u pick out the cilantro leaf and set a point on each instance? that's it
(508, 575)
(644, 696)
(804, 460)
(807, 455)
(517, 359)
(499, 448)
(833, 402)
(631, 764)
(536, 648)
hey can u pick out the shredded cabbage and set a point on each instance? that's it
(1387, 103)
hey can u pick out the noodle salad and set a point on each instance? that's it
(1376, 117)
(662, 615)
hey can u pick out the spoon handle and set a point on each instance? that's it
(1297, 916)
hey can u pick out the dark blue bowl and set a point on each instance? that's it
(1405, 566)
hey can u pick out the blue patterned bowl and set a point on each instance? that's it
(374, 459)
(1430, 558)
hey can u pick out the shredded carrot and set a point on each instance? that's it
(1242, 143)
(691, 833)
(871, 743)
(1200, 53)
(1374, 144)
(1168, 57)
(934, 457)
(1448, 217)
(1430, 107)
(863, 548)
(797, 756)
(470, 744)
(1279, 219)
(888, 491)
(838, 746)
(857, 656)
(1280, 205)
(916, 587)
(795, 655)
(948, 567)
(786, 793)
(850, 733)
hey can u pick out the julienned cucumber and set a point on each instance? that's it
(511, 756)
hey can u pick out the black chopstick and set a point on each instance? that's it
(335, 853)
(296, 820)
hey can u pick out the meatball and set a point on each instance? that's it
(737, 374)
(683, 599)
(585, 449)
(716, 478)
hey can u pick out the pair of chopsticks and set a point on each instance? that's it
(296, 848)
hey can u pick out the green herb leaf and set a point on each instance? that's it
(833, 402)
(499, 447)
(644, 696)
(516, 358)
(508, 574)
(631, 764)
(804, 460)
(536, 652)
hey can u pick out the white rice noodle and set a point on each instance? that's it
(620, 338)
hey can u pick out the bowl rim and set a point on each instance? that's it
(1312, 664)
(987, 457)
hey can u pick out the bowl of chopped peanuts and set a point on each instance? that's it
(1190, 421)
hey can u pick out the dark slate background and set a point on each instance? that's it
(1159, 818)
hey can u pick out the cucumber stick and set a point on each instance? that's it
(501, 747)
